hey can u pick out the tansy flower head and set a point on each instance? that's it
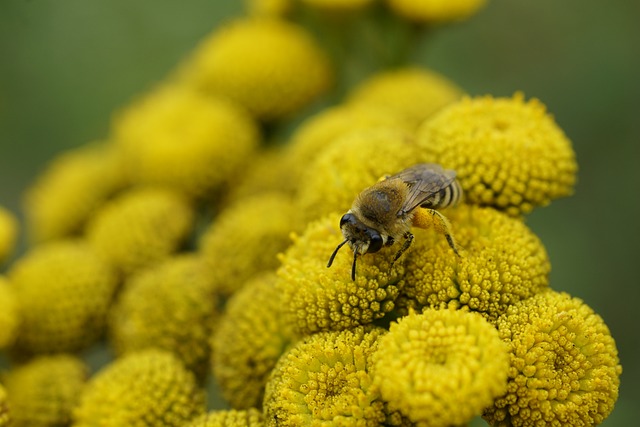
(180, 138)
(63, 290)
(150, 388)
(502, 262)
(8, 233)
(140, 227)
(325, 380)
(317, 298)
(171, 306)
(508, 153)
(5, 416)
(245, 239)
(43, 392)
(70, 189)
(435, 11)
(229, 418)
(414, 93)
(270, 66)
(441, 367)
(248, 341)
(564, 364)
(9, 314)
(350, 164)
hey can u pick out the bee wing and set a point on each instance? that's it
(424, 180)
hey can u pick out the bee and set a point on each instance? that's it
(385, 212)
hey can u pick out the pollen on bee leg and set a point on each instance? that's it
(430, 218)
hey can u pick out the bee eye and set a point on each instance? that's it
(347, 218)
(375, 244)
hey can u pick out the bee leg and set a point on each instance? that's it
(425, 218)
(408, 238)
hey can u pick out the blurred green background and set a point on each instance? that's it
(66, 65)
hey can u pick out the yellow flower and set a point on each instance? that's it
(8, 233)
(270, 66)
(43, 392)
(501, 262)
(433, 11)
(268, 8)
(317, 298)
(63, 290)
(415, 93)
(350, 164)
(140, 227)
(441, 367)
(338, 5)
(9, 314)
(177, 137)
(229, 418)
(564, 364)
(171, 306)
(245, 239)
(248, 341)
(5, 415)
(508, 153)
(325, 380)
(148, 388)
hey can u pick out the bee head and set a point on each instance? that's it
(361, 239)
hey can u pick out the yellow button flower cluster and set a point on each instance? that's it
(434, 11)
(8, 233)
(5, 417)
(9, 314)
(229, 418)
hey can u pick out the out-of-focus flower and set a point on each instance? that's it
(268, 8)
(338, 5)
(325, 380)
(5, 416)
(43, 392)
(564, 364)
(140, 227)
(414, 93)
(171, 306)
(502, 263)
(9, 314)
(248, 341)
(8, 233)
(270, 66)
(435, 11)
(350, 164)
(63, 290)
(316, 298)
(508, 153)
(229, 418)
(245, 239)
(178, 137)
(442, 367)
(147, 388)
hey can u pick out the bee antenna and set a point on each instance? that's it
(353, 267)
(333, 255)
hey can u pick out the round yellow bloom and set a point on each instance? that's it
(564, 364)
(171, 306)
(415, 93)
(317, 298)
(180, 138)
(425, 11)
(502, 262)
(8, 233)
(43, 392)
(63, 290)
(325, 380)
(5, 416)
(338, 5)
(270, 66)
(441, 367)
(70, 189)
(229, 418)
(140, 227)
(245, 239)
(9, 314)
(268, 8)
(148, 388)
(508, 153)
(353, 162)
(248, 341)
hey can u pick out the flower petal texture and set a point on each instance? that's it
(229, 418)
(442, 367)
(564, 364)
(147, 388)
(508, 153)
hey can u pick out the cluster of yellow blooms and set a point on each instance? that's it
(195, 247)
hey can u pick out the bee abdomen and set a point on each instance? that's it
(448, 196)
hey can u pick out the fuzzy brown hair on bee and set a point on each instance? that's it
(384, 213)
